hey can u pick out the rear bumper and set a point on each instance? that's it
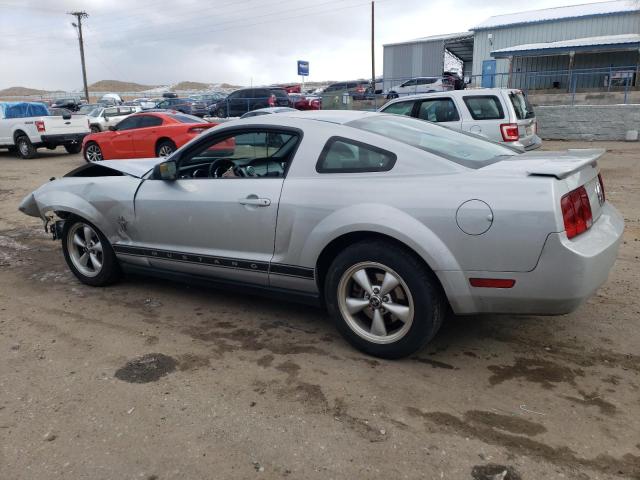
(535, 142)
(567, 273)
(63, 139)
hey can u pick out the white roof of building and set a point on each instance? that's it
(444, 37)
(617, 40)
(559, 13)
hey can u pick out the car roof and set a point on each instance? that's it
(453, 93)
(331, 116)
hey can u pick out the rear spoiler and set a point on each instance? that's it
(566, 163)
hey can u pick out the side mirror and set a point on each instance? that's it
(165, 171)
(112, 128)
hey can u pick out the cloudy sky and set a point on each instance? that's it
(161, 42)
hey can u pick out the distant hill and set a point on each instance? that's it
(186, 85)
(118, 86)
(22, 92)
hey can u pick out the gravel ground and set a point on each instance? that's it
(158, 380)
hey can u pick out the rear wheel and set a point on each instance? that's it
(392, 95)
(92, 153)
(24, 147)
(384, 300)
(73, 148)
(165, 148)
(88, 253)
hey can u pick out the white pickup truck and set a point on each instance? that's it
(27, 126)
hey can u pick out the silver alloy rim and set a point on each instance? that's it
(375, 302)
(165, 151)
(85, 249)
(94, 154)
(24, 147)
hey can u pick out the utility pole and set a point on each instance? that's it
(80, 16)
(373, 52)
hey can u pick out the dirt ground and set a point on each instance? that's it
(158, 380)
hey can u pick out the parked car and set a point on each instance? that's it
(143, 135)
(184, 105)
(418, 85)
(111, 99)
(60, 112)
(356, 87)
(500, 114)
(246, 99)
(101, 118)
(169, 95)
(267, 111)
(72, 104)
(87, 108)
(387, 220)
(208, 98)
(292, 88)
(305, 102)
(145, 103)
(453, 80)
(27, 126)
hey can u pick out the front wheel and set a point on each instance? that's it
(25, 148)
(392, 95)
(221, 113)
(385, 302)
(95, 129)
(88, 253)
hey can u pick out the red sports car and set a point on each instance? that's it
(145, 135)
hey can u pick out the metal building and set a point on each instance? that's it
(424, 57)
(582, 39)
(582, 46)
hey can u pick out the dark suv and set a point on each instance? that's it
(72, 104)
(184, 105)
(247, 99)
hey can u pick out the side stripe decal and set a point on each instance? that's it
(223, 262)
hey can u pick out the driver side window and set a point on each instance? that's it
(250, 154)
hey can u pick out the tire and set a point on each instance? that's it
(73, 148)
(87, 263)
(165, 148)
(95, 129)
(93, 153)
(221, 113)
(415, 296)
(392, 95)
(25, 148)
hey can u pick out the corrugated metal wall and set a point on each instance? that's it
(548, 32)
(412, 60)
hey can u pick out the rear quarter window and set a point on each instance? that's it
(521, 106)
(484, 107)
(343, 155)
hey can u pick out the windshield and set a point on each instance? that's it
(95, 112)
(86, 109)
(462, 148)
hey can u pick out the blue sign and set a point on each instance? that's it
(303, 68)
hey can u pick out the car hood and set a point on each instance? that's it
(135, 168)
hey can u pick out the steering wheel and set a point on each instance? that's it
(217, 169)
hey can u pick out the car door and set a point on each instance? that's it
(237, 103)
(145, 135)
(122, 144)
(440, 110)
(217, 226)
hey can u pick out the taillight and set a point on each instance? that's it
(197, 130)
(509, 132)
(492, 282)
(272, 100)
(40, 126)
(576, 212)
(601, 196)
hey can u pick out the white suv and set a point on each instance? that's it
(417, 85)
(500, 114)
(101, 118)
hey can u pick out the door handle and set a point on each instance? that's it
(254, 201)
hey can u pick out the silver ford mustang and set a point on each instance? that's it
(387, 220)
